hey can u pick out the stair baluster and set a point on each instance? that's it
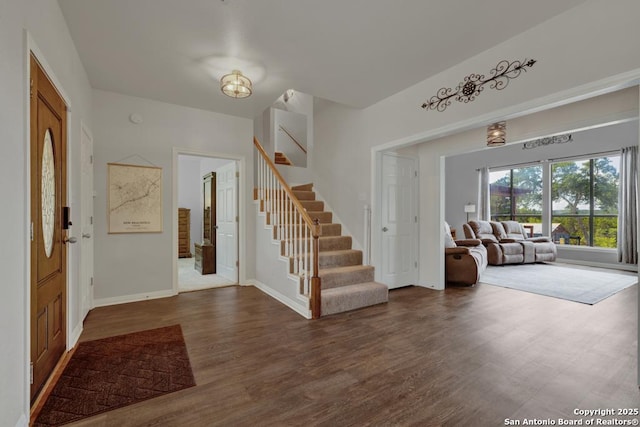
(293, 224)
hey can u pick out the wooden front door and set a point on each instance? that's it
(48, 248)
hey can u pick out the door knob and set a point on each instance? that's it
(69, 240)
(86, 235)
(385, 229)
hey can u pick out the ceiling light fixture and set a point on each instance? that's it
(497, 134)
(236, 85)
(288, 94)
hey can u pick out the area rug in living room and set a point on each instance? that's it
(584, 285)
(113, 372)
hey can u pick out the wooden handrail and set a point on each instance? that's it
(294, 140)
(315, 228)
(312, 227)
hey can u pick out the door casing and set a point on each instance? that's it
(49, 269)
(227, 221)
(377, 225)
(242, 218)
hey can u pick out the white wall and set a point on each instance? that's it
(133, 266)
(462, 175)
(574, 61)
(46, 26)
(301, 103)
(461, 170)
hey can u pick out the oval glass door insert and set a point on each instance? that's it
(48, 194)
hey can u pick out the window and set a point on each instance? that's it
(584, 199)
(516, 194)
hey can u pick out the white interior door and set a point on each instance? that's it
(86, 243)
(227, 222)
(399, 221)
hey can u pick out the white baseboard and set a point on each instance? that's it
(426, 285)
(102, 302)
(624, 267)
(75, 336)
(282, 298)
(22, 421)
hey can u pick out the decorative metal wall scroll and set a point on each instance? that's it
(556, 139)
(471, 86)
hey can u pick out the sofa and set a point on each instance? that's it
(465, 259)
(507, 243)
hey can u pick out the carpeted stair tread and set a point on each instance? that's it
(346, 283)
(342, 276)
(340, 258)
(326, 243)
(352, 297)
(325, 230)
(330, 229)
(335, 243)
(302, 187)
(322, 217)
(331, 259)
(312, 205)
(304, 195)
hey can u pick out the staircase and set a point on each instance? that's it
(346, 283)
(282, 159)
(325, 273)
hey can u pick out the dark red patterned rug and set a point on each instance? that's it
(118, 371)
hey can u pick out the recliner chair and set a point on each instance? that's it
(507, 242)
(465, 259)
(544, 248)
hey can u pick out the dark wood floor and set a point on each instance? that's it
(462, 357)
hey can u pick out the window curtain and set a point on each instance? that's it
(628, 207)
(484, 201)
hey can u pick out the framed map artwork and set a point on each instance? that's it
(134, 202)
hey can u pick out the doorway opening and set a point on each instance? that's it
(207, 217)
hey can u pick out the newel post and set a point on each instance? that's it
(316, 301)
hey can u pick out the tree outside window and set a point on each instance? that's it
(516, 194)
(584, 196)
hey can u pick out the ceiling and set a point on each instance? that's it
(355, 52)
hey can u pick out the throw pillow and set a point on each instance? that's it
(448, 240)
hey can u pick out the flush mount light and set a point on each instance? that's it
(235, 85)
(497, 134)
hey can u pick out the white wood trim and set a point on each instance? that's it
(623, 267)
(242, 195)
(415, 184)
(569, 96)
(306, 313)
(84, 129)
(103, 302)
(32, 47)
(75, 336)
(22, 421)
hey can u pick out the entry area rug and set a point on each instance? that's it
(113, 372)
(587, 286)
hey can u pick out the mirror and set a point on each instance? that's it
(289, 132)
(209, 211)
